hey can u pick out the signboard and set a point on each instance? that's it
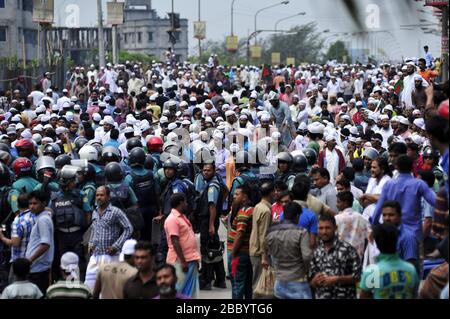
(200, 30)
(115, 13)
(43, 11)
(290, 61)
(256, 52)
(232, 43)
(276, 58)
(436, 3)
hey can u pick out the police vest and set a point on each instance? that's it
(68, 211)
(144, 188)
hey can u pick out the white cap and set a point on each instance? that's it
(404, 121)
(163, 120)
(420, 123)
(69, 262)
(128, 249)
(45, 118)
(186, 122)
(383, 117)
(96, 117)
(276, 135)
(172, 126)
(388, 108)
(60, 130)
(38, 128)
(49, 91)
(229, 113)
(108, 120)
(26, 134)
(145, 125)
(345, 117)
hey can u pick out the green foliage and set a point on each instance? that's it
(131, 56)
(337, 51)
(303, 43)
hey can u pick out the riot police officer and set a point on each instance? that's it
(284, 172)
(209, 209)
(69, 213)
(142, 183)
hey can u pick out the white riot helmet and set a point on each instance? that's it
(88, 153)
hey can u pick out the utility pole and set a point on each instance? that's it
(101, 40)
(172, 23)
(115, 47)
(199, 40)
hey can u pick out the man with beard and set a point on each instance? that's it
(335, 267)
(419, 97)
(409, 85)
(281, 114)
(102, 133)
(386, 130)
(166, 280)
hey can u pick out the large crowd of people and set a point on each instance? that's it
(332, 180)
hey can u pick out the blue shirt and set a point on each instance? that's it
(407, 244)
(21, 228)
(408, 191)
(308, 221)
(41, 233)
(112, 143)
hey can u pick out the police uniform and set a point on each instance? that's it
(69, 217)
(210, 193)
(142, 183)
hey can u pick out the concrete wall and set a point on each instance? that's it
(13, 17)
(160, 38)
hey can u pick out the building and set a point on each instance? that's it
(145, 32)
(16, 26)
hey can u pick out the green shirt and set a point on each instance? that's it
(390, 278)
(68, 290)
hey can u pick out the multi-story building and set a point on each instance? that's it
(144, 31)
(16, 26)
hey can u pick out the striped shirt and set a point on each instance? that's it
(241, 223)
(21, 228)
(111, 229)
(68, 290)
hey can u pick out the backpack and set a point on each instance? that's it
(120, 199)
(144, 187)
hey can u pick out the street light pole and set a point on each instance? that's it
(232, 17)
(114, 43)
(101, 40)
(260, 10)
(199, 40)
(292, 16)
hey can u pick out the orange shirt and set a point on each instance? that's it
(428, 74)
(177, 224)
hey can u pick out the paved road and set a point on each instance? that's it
(217, 293)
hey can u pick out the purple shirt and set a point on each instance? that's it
(408, 191)
(177, 296)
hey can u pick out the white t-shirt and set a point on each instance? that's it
(22, 290)
(37, 97)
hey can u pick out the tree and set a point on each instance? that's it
(302, 43)
(337, 51)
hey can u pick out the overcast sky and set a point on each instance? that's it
(328, 14)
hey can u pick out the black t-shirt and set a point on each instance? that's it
(134, 288)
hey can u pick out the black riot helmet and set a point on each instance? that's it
(300, 164)
(132, 143)
(137, 157)
(113, 173)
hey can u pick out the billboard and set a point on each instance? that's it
(256, 52)
(232, 43)
(43, 11)
(115, 13)
(200, 30)
(276, 58)
(290, 61)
